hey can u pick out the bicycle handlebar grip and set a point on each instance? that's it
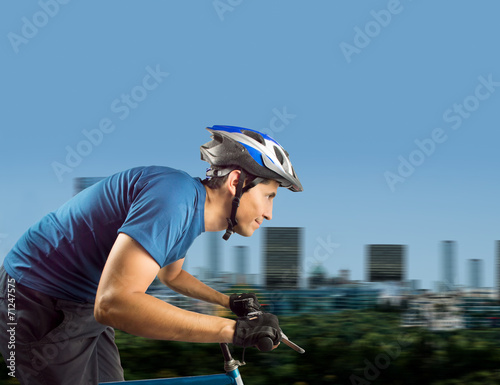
(265, 344)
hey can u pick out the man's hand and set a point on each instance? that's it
(244, 304)
(252, 329)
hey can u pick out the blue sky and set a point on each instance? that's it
(389, 110)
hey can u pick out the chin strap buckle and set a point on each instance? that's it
(229, 230)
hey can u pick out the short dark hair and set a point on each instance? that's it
(216, 183)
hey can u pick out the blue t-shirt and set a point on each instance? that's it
(64, 253)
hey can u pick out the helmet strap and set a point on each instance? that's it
(253, 183)
(231, 222)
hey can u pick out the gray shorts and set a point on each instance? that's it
(52, 341)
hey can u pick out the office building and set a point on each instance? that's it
(214, 258)
(498, 268)
(475, 273)
(345, 275)
(385, 263)
(415, 285)
(241, 261)
(282, 257)
(449, 269)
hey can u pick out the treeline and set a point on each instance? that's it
(352, 347)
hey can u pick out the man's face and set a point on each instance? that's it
(255, 206)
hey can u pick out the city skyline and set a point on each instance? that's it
(484, 271)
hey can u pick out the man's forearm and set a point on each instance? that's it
(121, 300)
(192, 287)
(146, 316)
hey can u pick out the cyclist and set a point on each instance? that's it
(83, 270)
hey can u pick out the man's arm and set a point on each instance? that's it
(121, 301)
(184, 283)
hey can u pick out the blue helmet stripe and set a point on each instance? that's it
(255, 154)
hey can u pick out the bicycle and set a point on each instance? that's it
(231, 376)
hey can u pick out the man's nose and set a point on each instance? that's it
(268, 213)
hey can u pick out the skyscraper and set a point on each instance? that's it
(345, 274)
(214, 240)
(449, 273)
(241, 262)
(498, 269)
(385, 263)
(282, 257)
(475, 269)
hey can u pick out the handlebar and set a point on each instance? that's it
(265, 344)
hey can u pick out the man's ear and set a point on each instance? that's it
(232, 181)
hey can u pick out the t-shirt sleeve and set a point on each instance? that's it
(159, 216)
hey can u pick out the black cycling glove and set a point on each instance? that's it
(244, 304)
(250, 330)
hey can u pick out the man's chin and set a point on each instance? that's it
(244, 232)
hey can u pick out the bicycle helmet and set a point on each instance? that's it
(252, 151)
